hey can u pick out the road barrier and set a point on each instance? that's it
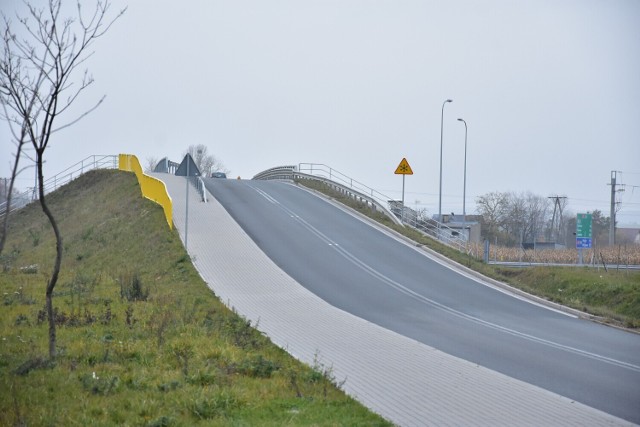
(152, 188)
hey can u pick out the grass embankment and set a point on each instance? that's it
(141, 339)
(613, 295)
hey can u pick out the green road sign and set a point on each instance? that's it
(584, 231)
(584, 225)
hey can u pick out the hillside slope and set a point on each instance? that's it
(142, 340)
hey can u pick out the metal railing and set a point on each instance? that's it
(107, 161)
(166, 166)
(170, 167)
(437, 230)
(202, 190)
(278, 172)
(356, 189)
(322, 170)
(293, 172)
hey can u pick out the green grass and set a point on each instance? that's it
(142, 340)
(612, 295)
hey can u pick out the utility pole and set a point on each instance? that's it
(612, 216)
(557, 206)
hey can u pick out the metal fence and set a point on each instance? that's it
(107, 161)
(359, 191)
(199, 184)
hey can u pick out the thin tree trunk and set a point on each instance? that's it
(14, 173)
(56, 268)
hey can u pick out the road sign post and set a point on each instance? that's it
(403, 169)
(584, 233)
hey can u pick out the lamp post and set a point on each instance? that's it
(441, 132)
(464, 186)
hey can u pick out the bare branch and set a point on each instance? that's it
(83, 115)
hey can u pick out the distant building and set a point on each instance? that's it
(542, 245)
(467, 226)
(457, 227)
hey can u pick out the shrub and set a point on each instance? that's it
(258, 367)
(215, 405)
(162, 421)
(131, 288)
(97, 385)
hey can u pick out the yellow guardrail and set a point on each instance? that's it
(152, 188)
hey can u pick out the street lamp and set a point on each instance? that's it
(464, 187)
(441, 131)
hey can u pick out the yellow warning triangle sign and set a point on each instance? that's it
(404, 168)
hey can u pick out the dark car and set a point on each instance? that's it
(218, 175)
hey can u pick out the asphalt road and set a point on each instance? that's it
(364, 271)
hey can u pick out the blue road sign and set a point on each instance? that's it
(583, 242)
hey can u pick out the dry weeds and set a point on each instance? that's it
(617, 255)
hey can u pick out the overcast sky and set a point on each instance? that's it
(550, 90)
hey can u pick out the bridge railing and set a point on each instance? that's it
(431, 227)
(108, 161)
(325, 171)
(98, 161)
(439, 231)
(278, 172)
(202, 190)
(301, 172)
(363, 193)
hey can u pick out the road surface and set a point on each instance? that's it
(362, 270)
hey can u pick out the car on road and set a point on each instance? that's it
(218, 175)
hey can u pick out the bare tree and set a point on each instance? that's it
(8, 190)
(151, 164)
(206, 162)
(514, 218)
(537, 215)
(492, 207)
(218, 166)
(515, 222)
(37, 86)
